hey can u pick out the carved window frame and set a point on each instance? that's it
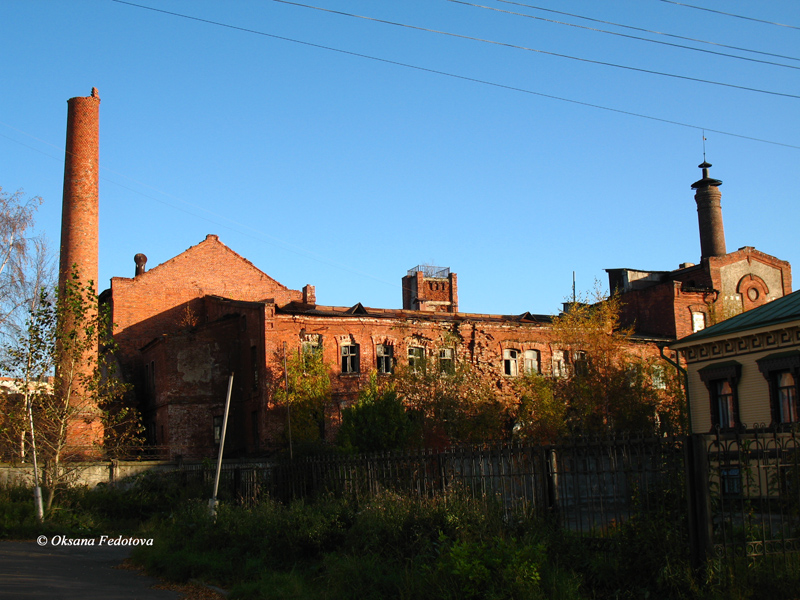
(714, 375)
(771, 367)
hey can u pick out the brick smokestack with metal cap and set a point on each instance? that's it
(80, 245)
(709, 214)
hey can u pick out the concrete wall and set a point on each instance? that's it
(89, 474)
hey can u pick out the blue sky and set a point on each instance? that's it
(340, 151)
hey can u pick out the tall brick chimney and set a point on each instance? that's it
(79, 213)
(79, 243)
(709, 214)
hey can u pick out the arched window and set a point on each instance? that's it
(722, 381)
(782, 372)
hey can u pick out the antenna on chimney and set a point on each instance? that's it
(704, 145)
(574, 299)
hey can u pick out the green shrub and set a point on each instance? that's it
(377, 422)
(493, 569)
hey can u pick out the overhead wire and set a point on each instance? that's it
(727, 14)
(624, 35)
(651, 31)
(461, 77)
(240, 228)
(528, 49)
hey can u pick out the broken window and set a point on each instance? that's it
(581, 362)
(254, 426)
(312, 347)
(559, 365)
(658, 376)
(150, 380)
(510, 363)
(217, 429)
(698, 321)
(254, 365)
(385, 358)
(446, 364)
(416, 357)
(311, 350)
(531, 361)
(350, 358)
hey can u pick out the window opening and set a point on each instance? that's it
(217, 429)
(350, 358)
(786, 388)
(510, 363)
(559, 366)
(416, 357)
(385, 362)
(446, 364)
(725, 404)
(531, 361)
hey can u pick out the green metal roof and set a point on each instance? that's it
(775, 312)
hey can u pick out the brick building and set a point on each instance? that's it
(183, 326)
(674, 304)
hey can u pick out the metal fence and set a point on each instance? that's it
(728, 495)
(753, 494)
(588, 484)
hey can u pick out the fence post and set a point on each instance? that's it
(701, 527)
(550, 480)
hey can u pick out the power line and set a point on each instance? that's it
(727, 14)
(214, 217)
(624, 35)
(465, 78)
(672, 35)
(528, 49)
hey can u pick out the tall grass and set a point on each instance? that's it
(392, 546)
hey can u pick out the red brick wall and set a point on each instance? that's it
(168, 298)
(191, 379)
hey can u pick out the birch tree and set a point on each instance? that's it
(64, 364)
(25, 263)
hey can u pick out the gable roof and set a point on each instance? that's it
(778, 311)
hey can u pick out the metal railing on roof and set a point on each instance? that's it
(430, 271)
